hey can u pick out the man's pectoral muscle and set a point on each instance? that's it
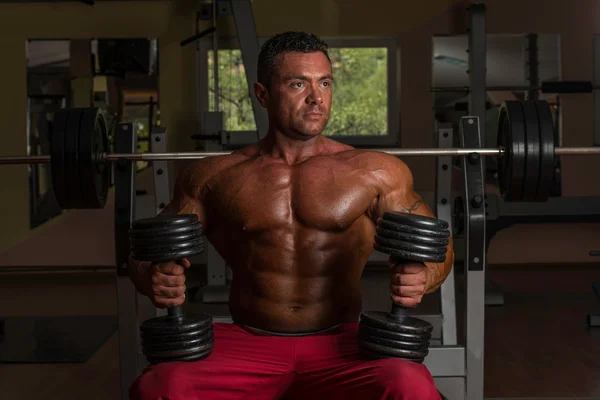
(396, 193)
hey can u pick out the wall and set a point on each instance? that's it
(413, 23)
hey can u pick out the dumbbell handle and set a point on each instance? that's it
(398, 311)
(176, 311)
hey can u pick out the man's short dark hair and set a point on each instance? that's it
(286, 42)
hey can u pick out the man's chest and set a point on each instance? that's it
(324, 195)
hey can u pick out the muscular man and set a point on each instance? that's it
(294, 216)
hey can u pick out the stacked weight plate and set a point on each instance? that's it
(173, 337)
(407, 238)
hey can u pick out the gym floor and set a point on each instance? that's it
(537, 344)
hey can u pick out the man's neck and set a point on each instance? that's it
(292, 151)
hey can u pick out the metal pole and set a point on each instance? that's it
(421, 152)
(477, 66)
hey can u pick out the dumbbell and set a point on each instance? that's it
(406, 238)
(175, 336)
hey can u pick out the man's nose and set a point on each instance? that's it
(315, 96)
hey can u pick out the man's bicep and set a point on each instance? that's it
(396, 192)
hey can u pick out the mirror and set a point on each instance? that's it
(120, 76)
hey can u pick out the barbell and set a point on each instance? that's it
(80, 162)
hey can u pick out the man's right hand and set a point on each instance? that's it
(164, 283)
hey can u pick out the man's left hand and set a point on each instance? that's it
(409, 283)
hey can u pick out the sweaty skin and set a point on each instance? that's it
(294, 215)
(297, 236)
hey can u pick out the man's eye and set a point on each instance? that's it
(326, 84)
(297, 84)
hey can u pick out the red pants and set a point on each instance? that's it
(246, 364)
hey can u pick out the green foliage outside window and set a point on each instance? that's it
(359, 105)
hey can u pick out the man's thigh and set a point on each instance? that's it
(334, 367)
(241, 364)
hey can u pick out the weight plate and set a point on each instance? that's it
(406, 324)
(164, 231)
(164, 220)
(389, 234)
(176, 336)
(167, 325)
(153, 347)
(57, 160)
(416, 220)
(396, 344)
(94, 174)
(393, 352)
(394, 226)
(181, 237)
(73, 182)
(193, 357)
(377, 356)
(511, 137)
(547, 157)
(382, 333)
(407, 246)
(150, 249)
(406, 256)
(169, 256)
(176, 353)
(532, 151)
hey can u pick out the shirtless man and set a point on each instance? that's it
(294, 216)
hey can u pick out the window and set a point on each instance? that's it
(364, 106)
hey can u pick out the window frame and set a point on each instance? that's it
(393, 91)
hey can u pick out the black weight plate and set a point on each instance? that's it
(193, 357)
(175, 353)
(94, 174)
(396, 344)
(532, 151)
(404, 255)
(389, 234)
(511, 136)
(169, 255)
(182, 237)
(164, 220)
(164, 231)
(176, 336)
(167, 325)
(393, 352)
(406, 324)
(547, 158)
(416, 220)
(408, 246)
(393, 226)
(57, 158)
(159, 248)
(377, 356)
(73, 183)
(367, 330)
(152, 347)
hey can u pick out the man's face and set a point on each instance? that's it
(299, 99)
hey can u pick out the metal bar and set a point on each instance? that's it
(453, 152)
(246, 32)
(446, 361)
(127, 305)
(475, 259)
(466, 89)
(531, 66)
(162, 190)
(444, 212)
(477, 65)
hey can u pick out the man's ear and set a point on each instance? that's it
(262, 94)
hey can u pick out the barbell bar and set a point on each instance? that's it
(399, 152)
(80, 161)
